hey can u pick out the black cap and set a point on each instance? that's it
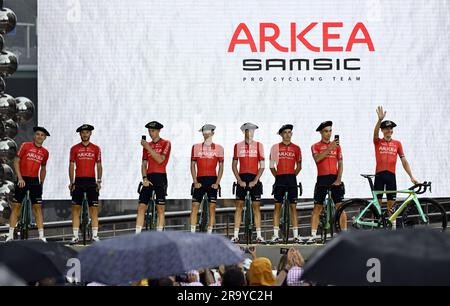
(324, 125)
(248, 126)
(154, 125)
(85, 127)
(40, 128)
(387, 124)
(285, 127)
(207, 127)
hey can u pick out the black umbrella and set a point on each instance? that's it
(34, 260)
(402, 257)
(154, 255)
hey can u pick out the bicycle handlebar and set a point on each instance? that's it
(299, 186)
(218, 189)
(247, 187)
(421, 188)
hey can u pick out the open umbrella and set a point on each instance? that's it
(34, 260)
(154, 255)
(402, 257)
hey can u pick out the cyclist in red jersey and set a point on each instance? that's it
(329, 161)
(205, 157)
(30, 166)
(250, 156)
(285, 165)
(84, 158)
(386, 151)
(155, 156)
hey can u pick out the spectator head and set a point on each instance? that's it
(294, 259)
(260, 272)
(293, 277)
(193, 276)
(233, 278)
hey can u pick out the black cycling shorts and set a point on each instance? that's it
(386, 180)
(88, 185)
(255, 192)
(287, 180)
(159, 186)
(206, 182)
(324, 182)
(32, 184)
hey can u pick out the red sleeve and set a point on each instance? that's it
(400, 150)
(144, 154)
(220, 153)
(339, 153)
(73, 154)
(193, 155)
(299, 154)
(235, 157)
(260, 151)
(314, 149)
(98, 158)
(376, 141)
(22, 150)
(166, 149)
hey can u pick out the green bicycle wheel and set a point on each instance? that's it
(352, 210)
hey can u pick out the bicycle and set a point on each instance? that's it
(85, 218)
(25, 222)
(247, 213)
(411, 212)
(326, 224)
(151, 213)
(203, 212)
(285, 209)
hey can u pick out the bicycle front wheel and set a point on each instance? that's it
(351, 213)
(434, 213)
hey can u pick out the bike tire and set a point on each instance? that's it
(248, 223)
(352, 208)
(286, 218)
(435, 213)
(203, 226)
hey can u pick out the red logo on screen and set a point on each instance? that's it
(269, 34)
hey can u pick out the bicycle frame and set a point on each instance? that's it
(329, 204)
(248, 216)
(374, 202)
(286, 218)
(84, 214)
(151, 209)
(204, 209)
(25, 220)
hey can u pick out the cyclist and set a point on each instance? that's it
(250, 156)
(155, 156)
(205, 157)
(328, 157)
(386, 151)
(30, 166)
(285, 165)
(84, 158)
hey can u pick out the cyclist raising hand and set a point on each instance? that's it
(386, 151)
